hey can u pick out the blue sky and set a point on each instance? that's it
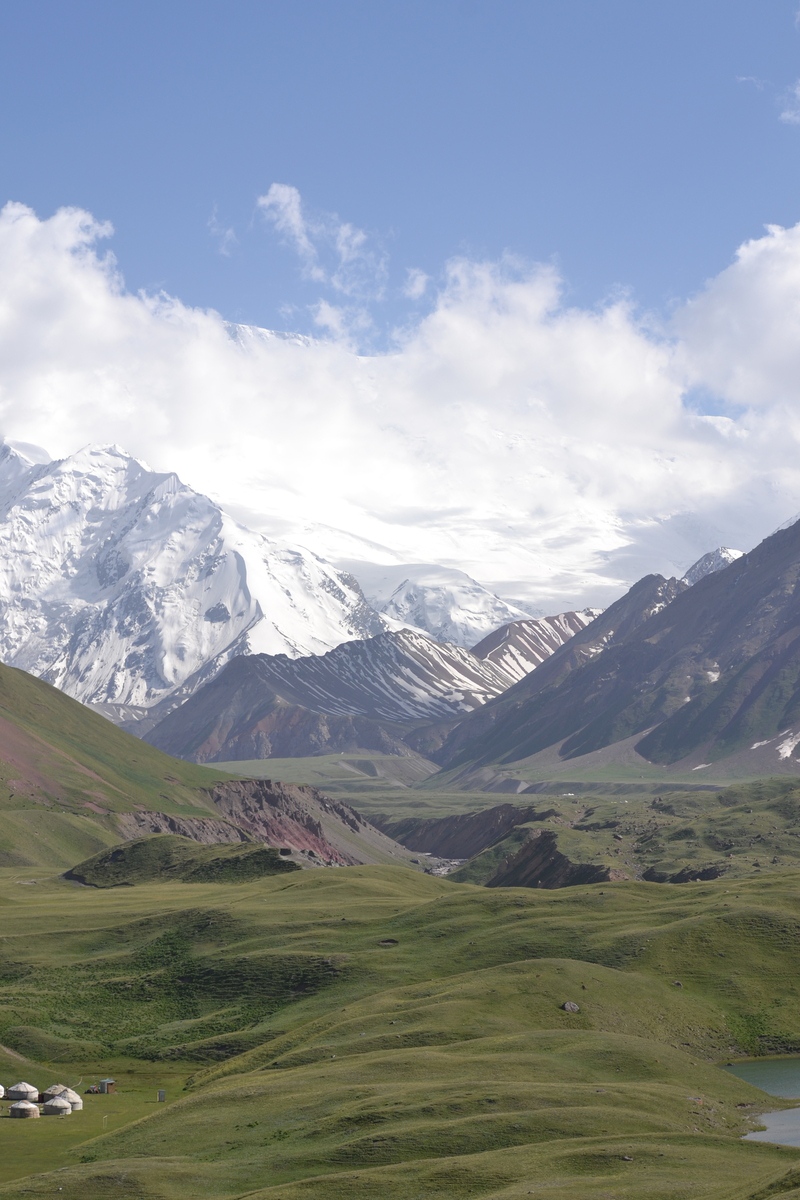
(634, 144)
(386, 175)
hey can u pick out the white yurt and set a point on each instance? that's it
(72, 1098)
(57, 1106)
(23, 1091)
(2, 1091)
(54, 1089)
(23, 1108)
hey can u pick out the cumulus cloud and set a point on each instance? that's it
(547, 449)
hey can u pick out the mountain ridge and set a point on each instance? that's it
(369, 695)
(714, 672)
(121, 585)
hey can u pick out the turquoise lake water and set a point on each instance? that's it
(778, 1077)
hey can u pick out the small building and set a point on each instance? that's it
(55, 1089)
(73, 1099)
(107, 1086)
(23, 1108)
(23, 1091)
(57, 1106)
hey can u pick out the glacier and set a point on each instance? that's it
(122, 586)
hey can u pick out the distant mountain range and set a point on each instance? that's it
(710, 672)
(378, 694)
(136, 595)
(122, 586)
(129, 591)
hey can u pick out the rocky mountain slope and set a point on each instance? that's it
(716, 672)
(521, 646)
(123, 586)
(369, 695)
(646, 598)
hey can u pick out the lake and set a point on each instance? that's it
(778, 1077)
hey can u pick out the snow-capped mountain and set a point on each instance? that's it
(403, 676)
(368, 695)
(521, 646)
(714, 561)
(123, 586)
(447, 604)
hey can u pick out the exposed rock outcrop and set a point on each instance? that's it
(199, 829)
(539, 863)
(687, 875)
(284, 814)
(304, 819)
(461, 836)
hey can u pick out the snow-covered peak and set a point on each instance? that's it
(715, 560)
(445, 603)
(123, 586)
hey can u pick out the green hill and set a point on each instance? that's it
(65, 772)
(167, 857)
(372, 1031)
(367, 1032)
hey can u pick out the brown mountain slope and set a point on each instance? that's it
(473, 739)
(713, 673)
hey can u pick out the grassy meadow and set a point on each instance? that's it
(372, 1031)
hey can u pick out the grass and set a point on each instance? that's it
(332, 770)
(375, 1032)
(66, 753)
(167, 856)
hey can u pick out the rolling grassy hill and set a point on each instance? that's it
(372, 1032)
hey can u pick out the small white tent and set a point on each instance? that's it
(57, 1106)
(23, 1108)
(72, 1098)
(23, 1091)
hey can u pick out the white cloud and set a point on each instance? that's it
(225, 234)
(331, 251)
(543, 448)
(790, 114)
(416, 283)
(283, 206)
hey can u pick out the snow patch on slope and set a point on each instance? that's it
(121, 586)
(520, 647)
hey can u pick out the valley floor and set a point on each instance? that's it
(376, 1032)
